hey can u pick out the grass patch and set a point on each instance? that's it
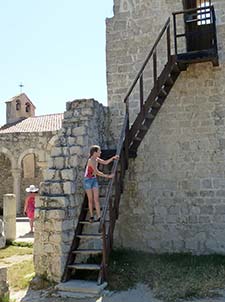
(20, 274)
(20, 243)
(6, 298)
(11, 250)
(171, 277)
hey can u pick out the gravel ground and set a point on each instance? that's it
(139, 294)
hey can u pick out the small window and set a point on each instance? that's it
(18, 105)
(27, 107)
(204, 15)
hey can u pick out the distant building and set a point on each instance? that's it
(25, 144)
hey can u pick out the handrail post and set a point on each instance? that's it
(141, 92)
(155, 66)
(110, 224)
(168, 43)
(175, 33)
(104, 253)
(126, 144)
(214, 28)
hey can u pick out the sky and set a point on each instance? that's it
(56, 49)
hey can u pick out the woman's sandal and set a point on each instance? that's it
(98, 219)
(91, 219)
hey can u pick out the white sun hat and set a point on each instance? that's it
(32, 189)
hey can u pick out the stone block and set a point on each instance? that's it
(69, 187)
(56, 152)
(55, 214)
(68, 174)
(9, 216)
(73, 161)
(56, 188)
(206, 184)
(59, 163)
(206, 210)
(76, 150)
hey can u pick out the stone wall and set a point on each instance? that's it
(174, 198)
(6, 179)
(2, 236)
(4, 288)
(62, 194)
(130, 35)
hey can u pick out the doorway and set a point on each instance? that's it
(198, 25)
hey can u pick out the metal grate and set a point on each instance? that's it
(204, 13)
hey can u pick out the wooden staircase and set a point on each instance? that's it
(95, 241)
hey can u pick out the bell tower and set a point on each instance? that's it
(19, 108)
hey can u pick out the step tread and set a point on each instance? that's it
(76, 295)
(99, 236)
(85, 266)
(87, 251)
(82, 286)
(90, 223)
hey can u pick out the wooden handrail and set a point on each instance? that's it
(122, 151)
(147, 59)
(114, 168)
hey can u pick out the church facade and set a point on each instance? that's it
(25, 146)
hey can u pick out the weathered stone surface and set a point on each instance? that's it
(178, 174)
(58, 207)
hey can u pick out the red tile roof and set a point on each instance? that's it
(42, 123)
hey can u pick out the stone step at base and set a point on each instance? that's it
(80, 287)
(62, 294)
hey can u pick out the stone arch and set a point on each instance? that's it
(7, 166)
(33, 174)
(26, 152)
(10, 156)
(50, 146)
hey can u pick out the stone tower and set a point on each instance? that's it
(18, 108)
(174, 191)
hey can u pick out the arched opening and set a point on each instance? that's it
(18, 105)
(27, 107)
(6, 178)
(31, 174)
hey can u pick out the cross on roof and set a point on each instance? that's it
(21, 86)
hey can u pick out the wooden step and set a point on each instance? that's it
(151, 114)
(169, 81)
(87, 252)
(156, 104)
(86, 266)
(162, 92)
(144, 128)
(101, 208)
(90, 236)
(175, 69)
(90, 223)
(136, 138)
